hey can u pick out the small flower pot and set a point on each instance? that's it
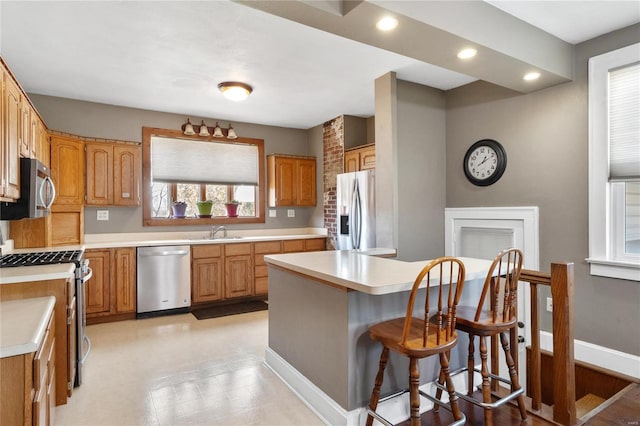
(232, 210)
(178, 209)
(204, 208)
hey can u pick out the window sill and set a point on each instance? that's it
(614, 269)
(216, 220)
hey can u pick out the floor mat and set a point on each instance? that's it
(224, 310)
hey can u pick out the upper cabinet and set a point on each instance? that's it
(67, 169)
(360, 158)
(113, 174)
(291, 180)
(11, 137)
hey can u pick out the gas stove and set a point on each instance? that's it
(40, 258)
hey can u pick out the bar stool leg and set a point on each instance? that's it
(471, 364)
(513, 374)
(414, 395)
(486, 385)
(441, 380)
(453, 398)
(375, 395)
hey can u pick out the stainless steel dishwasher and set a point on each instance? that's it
(164, 280)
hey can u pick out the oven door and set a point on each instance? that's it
(83, 274)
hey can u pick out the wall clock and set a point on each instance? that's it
(485, 162)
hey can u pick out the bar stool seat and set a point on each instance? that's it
(416, 337)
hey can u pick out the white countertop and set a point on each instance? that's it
(368, 274)
(24, 274)
(23, 323)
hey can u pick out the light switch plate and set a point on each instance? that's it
(272, 213)
(291, 213)
(102, 215)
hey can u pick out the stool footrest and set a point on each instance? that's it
(426, 395)
(495, 404)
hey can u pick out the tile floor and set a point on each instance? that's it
(176, 370)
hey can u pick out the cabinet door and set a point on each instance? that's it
(12, 139)
(43, 147)
(351, 161)
(67, 169)
(126, 175)
(97, 289)
(67, 225)
(25, 128)
(125, 280)
(238, 276)
(206, 285)
(99, 174)
(306, 183)
(34, 132)
(285, 181)
(368, 158)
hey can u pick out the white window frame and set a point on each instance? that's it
(606, 200)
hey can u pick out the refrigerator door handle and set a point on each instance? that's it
(352, 215)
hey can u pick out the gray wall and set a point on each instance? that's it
(545, 135)
(316, 149)
(355, 131)
(113, 122)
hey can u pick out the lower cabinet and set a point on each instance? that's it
(206, 273)
(112, 288)
(28, 384)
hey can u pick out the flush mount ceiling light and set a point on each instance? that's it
(235, 90)
(387, 23)
(530, 76)
(467, 53)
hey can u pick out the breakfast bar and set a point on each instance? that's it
(320, 307)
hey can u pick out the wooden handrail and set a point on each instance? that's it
(561, 281)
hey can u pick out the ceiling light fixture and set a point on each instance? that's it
(187, 128)
(235, 90)
(387, 23)
(467, 53)
(231, 134)
(217, 131)
(530, 76)
(203, 130)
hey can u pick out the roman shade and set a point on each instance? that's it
(624, 123)
(189, 161)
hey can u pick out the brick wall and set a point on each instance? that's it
(333, 164)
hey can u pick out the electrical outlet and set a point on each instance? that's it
(291, 213)
(549, 304)
(102, 215)
(272, 213)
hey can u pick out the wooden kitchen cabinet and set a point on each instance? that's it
(207, 274)
(113, 174)
(238, 270)
(43, 146)
(28, 132)
(360, 158)
(63, 356)
(11, 137)
(291, 180)
(67, 169)
(261, 275)
(111, 292)
(311, 244)
(28, 384)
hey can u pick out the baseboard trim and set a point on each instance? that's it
(611, 359)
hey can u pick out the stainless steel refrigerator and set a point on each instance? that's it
(356, 210)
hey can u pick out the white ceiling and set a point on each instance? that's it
(170, 56)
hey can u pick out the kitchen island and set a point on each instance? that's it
(320, 307)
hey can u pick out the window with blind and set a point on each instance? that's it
(192, 169)
(614, 164)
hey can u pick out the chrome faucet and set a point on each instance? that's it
(216, 229)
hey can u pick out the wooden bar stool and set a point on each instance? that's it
(417, 337)
(496, 316)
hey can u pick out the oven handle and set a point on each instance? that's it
(88, 275)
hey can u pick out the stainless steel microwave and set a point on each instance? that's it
(37, 192)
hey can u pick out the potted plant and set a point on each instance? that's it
(204, 208)
(232, 208)
(178, 209)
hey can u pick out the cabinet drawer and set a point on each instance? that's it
(292, 246)
(262, 285)
(258, 260)
(267, 247)
(42, 358)
(316, 244)
(237, 249)
(262, 271)
(210, 250)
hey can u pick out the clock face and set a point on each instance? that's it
(485, 162)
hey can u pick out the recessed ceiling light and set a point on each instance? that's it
(467, 53)
(235, 90)
(387, 23)
(530, 76)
